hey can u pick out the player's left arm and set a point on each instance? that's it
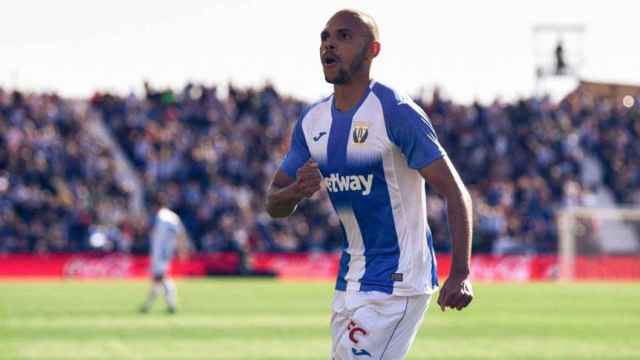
(412, 131)
(183, 243)
(442, 176)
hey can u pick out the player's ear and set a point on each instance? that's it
(374, 49)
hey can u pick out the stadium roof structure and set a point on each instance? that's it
(626, 94)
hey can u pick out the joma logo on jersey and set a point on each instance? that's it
(339, 183)
(360, 134)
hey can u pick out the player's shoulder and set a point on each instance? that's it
(168, 216)
(316, 108)
(396, 104)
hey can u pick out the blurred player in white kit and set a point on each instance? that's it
(168, 236)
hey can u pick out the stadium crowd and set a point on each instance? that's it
(211, 154)
(57, 183)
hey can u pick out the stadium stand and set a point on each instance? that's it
(212, 154)
(56, 181)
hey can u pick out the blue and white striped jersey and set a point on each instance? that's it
(369, 158)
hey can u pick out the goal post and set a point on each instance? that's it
(593, 233)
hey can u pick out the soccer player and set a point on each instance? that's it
(167, 234)
(372, 149)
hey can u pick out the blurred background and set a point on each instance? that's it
(104, 105)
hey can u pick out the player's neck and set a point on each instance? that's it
(348, 95)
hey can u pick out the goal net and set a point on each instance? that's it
(599, 243)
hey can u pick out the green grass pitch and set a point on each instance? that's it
(274, 320)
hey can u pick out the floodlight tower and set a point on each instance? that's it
(558, 54)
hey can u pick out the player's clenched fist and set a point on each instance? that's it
(308, 179)
(456, 293)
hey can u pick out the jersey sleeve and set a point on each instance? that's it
(411, 130)
(298, 152)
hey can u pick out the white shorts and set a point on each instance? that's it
(374, 325)
(160, 267)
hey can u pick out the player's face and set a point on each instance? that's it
(343, 49)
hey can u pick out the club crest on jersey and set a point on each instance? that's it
(360, 133)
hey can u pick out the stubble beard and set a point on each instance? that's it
(344, 76)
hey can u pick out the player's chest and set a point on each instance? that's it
(344, 144)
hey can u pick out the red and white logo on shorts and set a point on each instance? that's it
(354, 330)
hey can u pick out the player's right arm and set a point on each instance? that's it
(297, 178)
(285, 192)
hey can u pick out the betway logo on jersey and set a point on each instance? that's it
(339, 183)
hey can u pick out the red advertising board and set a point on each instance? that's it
(303, 266)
